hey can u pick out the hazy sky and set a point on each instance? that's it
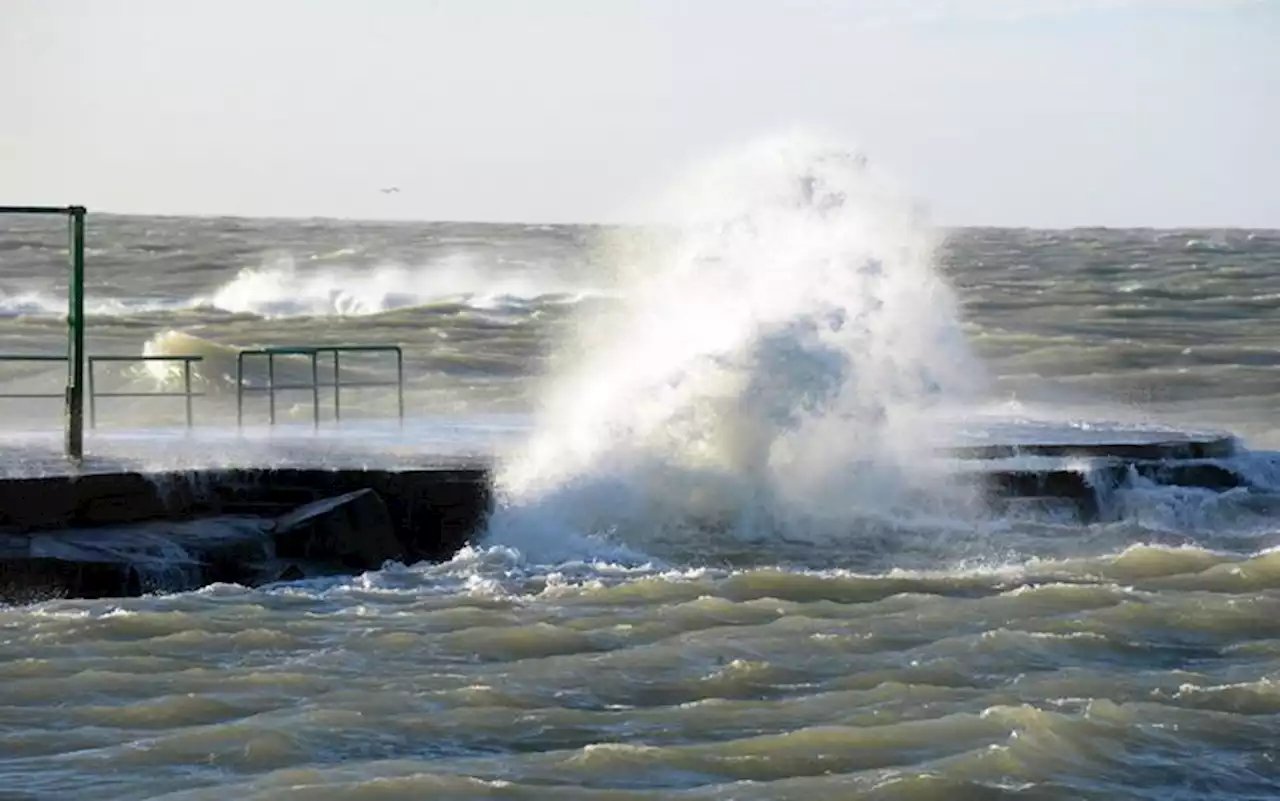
(1006, 112)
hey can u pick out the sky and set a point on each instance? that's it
(1051, 113)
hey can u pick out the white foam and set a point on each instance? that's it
(38, 303)
(280, 288)
(776, 352)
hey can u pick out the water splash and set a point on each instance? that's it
(280, 289)
(776, 357)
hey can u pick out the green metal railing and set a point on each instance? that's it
(75, 359)
(74, 394)
(186, 383)
(188, 394)
(38, 357)
(313, 353)
(93, 394)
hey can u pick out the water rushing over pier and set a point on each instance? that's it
(288, 505)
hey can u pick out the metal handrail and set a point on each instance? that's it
(186, 384)
(33, 357)
(41, 209)
(93, 394)
(313, 352)
(73, 398)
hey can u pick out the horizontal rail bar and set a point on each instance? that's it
(46, 357)
(313, 352)
(147, 395)
(360, 348)
(146, 358)
(307, 350)
(30, 395)
(21, 357)
(365, 384)
(325, 385)
(41, 209)
(185, 360)
(279, 351)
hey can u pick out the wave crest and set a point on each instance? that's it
(775, 354)
(281, 289)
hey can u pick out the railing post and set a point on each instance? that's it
(186, 387)
(271, 388)
(93, 397)
(400, 381)
(240, 389)
(337, 388)
(75, 342)
(315, 390)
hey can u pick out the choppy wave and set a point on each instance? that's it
(1130, 674)
(282, 289)
(38, 303)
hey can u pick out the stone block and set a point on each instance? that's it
(354, 530)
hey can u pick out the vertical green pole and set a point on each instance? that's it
(400, 382)
(75, 339)
(315, 388)
(337, 387)
(186, 388)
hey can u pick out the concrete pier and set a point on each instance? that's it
(121, 534)
(115, 533)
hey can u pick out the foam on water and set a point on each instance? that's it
(39, 303)
(776, 360)
(280, 289)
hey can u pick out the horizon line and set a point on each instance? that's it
(599, 224)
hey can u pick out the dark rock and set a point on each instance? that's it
(32, 579)
(1137, 449)
(122, 534)
(1205, 475)
(354, 530)
(291, 572)
(1074, 486)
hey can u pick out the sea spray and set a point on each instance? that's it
(774, 364)
(280, 288)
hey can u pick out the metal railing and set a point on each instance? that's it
(313, 353)
(188, 394)
(93, 393)
(37, 357)
(73, 397)
(186, 383)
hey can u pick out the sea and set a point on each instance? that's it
(726, 560)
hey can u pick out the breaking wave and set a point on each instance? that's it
(773, 367)
(281, 289)
(39, 303)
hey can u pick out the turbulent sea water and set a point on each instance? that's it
(723, 564)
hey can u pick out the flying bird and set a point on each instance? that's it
(390, 190)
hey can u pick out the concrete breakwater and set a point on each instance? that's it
(126, 533)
